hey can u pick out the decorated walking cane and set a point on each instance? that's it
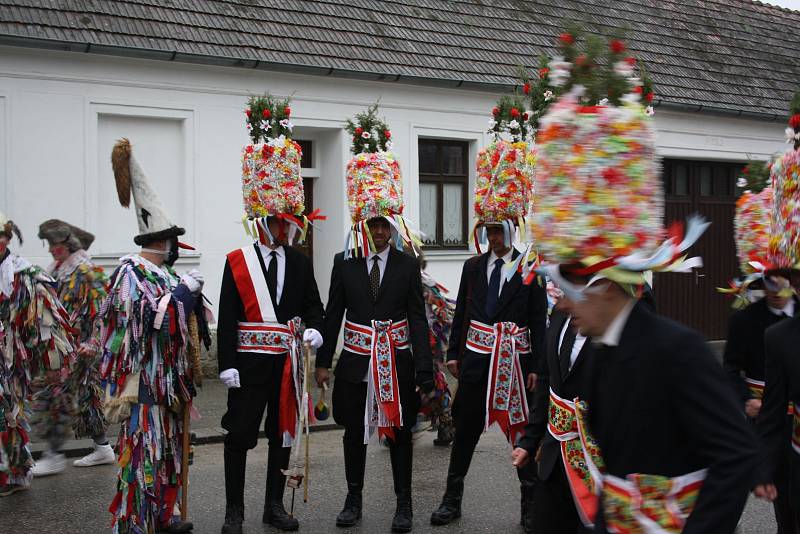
(194, 360)
(297, 475)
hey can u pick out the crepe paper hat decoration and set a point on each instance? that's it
(9, 229)
(57, 232)
(271, 182)
(154, 224)
(599, 197)
(374, 186)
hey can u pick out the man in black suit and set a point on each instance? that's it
(564, 375)
(744, 362)
(782, 387)
(386, 353)
(488, 306)
(663, 416)
(268, 288)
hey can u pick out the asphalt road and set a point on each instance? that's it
(76, 501)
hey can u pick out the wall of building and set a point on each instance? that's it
(60, 113)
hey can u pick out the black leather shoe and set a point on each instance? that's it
(403, 517)
(276, 515)
(234, 517)
(351, 513)
(448, 511)
(176, 526)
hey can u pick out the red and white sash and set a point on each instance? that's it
(263, 334)
(383, 410)
(506, 403)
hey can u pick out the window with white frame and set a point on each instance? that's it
(443, 192)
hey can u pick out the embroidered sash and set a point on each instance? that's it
(383, 410)
(506, 403)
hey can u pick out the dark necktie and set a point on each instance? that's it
(494, 288)
(374, 278)
(565, 353)
(272, 277)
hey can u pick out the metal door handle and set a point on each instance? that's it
(697, 277)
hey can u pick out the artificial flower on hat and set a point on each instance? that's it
(271, 182)
(599, 197)
(374, 185)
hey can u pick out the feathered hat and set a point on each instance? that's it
(271, 182)
(784, 243)
(599, 202)
(154, 224)
(9, 229)
(56, 231)
(374, 185)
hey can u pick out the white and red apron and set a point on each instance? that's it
(380, 342)
(506, 402)
(261, 333)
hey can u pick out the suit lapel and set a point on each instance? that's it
(481, 288)
(289, 276)
(582, 355)
(389, 272)
(553, 334)
(510, 288)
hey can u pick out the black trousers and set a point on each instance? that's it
(246, 406)
(555, 508)
(349, 400)
(469, 415)
(787, 517)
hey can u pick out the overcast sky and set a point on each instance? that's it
(791, 4)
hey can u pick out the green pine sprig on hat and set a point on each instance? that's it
(369, 133)
(539, 92)
(268, 117)
(510, 119)
(754, 177)
(793, 132)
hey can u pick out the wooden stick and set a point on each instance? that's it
(305, 386)
(185, 461)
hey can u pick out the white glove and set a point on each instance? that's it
(230, 377)
(313, 338)
(193, 280)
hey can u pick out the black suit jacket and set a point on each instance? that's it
(659, 403)
(783, 386)
(525, 305)
(300, 298)
(574, 384)
(399, 297)
(744, 349)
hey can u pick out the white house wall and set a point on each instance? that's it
(60, 112)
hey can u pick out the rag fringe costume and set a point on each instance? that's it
(81, 289)
(147, 376)
(37, 348)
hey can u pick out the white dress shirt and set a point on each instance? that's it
(614, 331)
(787, 310)
(383, 257)
(580, 341)
(490, 267)
(280, 255)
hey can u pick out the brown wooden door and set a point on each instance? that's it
(707, 188)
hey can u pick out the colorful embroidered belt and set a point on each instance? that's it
(639, 503)
(562, 424)
(506, 403)
(277, 338)
(383, 410)
(795, 413)
(756, 387)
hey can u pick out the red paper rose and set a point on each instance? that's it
(267, 114)
(649, 96)
(514, 112)
(794, 121)
(247, 112)
(359, 131)
(388, 134)
(630, 60)
(544, 71)
(617, 46)
(495, 110)
(566, 38)
(526, 88)
(287, 110)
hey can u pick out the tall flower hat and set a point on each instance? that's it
(599, 199)
(784, 242)
(374, 186)
(271, 182)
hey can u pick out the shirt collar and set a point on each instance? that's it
(506, 258)
(265, 250)
(613, 333)
(382, 255)
(788, 309)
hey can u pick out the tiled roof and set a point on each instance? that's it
(731, 55)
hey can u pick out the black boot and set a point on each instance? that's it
(355, 458)
(274, 512)
(402, 456)
(234, 517)
(450, 509)
(526, 507)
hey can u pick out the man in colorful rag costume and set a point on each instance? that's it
(782, 368)
(663, 440)
(81, 289)
(499, 324)
(386, 350)
(37, 349)
(268, 293)
(145, 362)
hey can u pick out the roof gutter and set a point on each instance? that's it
(293, 68)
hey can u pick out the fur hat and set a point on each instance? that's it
(56, 231)
(154, 224)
